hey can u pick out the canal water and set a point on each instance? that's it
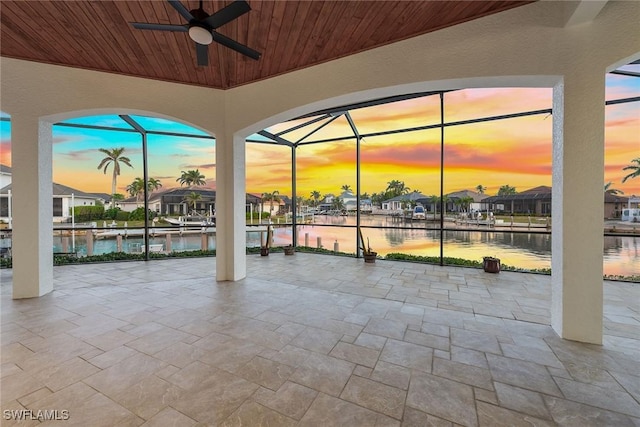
(388, 235)
(522, 249)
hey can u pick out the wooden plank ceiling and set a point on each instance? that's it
(290, 34)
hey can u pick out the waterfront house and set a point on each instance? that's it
(350, 201)
(614, 204)
(173, 201)
(5, 175)
(403, 201)
(103, 198)
(254, 201)
(63, 198)
(456, 200)
(534, 201)
(537, 201)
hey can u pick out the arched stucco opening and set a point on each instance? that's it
(382, 92)
(39, 249)
(62, 116)
(551, 82)
(335, 105)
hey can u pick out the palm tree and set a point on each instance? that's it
(136, 188)
(635, 167)
(191, 177)
(153, 184)
(337, 204)
(614, 191)
(315, 195)
(192, 199)
(396, 188)
(507, 190)
(445, 200)
(377, 199)
(346, 187)
(481, 188)
(392, 185)
(434, 201)
(271, 197)
(113, 156)
(466, 202)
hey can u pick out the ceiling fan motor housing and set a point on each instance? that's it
(199, 15)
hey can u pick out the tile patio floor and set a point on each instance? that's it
(312, 340)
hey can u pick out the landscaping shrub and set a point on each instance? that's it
(111, 213)
(122, 215)
(88, 213)
(264, 215)
(138, 214)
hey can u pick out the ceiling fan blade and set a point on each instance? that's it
(181, 10)
(159, 27)
(202, 52)
(238, 47)
(228, 14)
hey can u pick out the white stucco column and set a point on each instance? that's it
(32, 242)
(577, 206)
(231, 236)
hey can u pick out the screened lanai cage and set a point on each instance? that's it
(442, 177)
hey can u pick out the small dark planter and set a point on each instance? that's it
(370, 257)
(289, 250)
(264, 251)
(491, 264)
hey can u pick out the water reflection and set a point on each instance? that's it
(523, 250)
(621, 254)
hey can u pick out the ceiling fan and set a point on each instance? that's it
(202, 28)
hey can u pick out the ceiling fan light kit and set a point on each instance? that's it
(200, 35)
(202, 27)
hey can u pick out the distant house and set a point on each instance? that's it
(614, 204)
(285, 205)
(271, 206)
(173, 201)
(5, 175)
(404, 201)
(454, 205)
(350, 202)
(253, 202)
(535, 201)
(63, 198)
(327, 203)
(104, 198)
(129, 204)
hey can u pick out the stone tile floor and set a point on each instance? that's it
(312, 340)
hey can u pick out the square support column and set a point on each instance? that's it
(578, 206)
(32, 207)
(231, 233)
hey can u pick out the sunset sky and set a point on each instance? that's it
(516, 151)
